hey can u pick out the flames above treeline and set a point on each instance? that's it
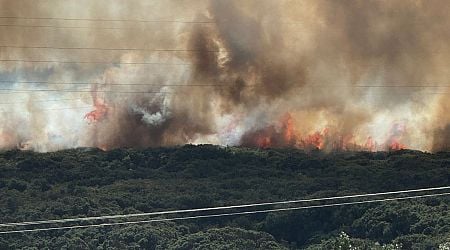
(285, 134)
(328, 75)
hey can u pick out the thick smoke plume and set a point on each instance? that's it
(334, 75)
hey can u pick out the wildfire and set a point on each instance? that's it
(395, 145)
(263, 142)
(288, 128)
(285, 134)
(370, 145)
(315, 140)
(397, 131)
(98, 114)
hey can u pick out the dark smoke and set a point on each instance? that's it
(256, 61)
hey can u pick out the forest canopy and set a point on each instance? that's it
(90, 182)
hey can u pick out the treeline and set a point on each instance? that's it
(90, 182)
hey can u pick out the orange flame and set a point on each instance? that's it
(395, 145)
(284, 134)
(397, 131)
(98, 114)
(370, 145)
(288, 128)
(263, 142)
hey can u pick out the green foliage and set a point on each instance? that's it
(227, 238)
(90, 182)
(345, 242)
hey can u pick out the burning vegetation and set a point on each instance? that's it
(285, 134)
(328, 75)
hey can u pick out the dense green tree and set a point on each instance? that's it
(90, 182)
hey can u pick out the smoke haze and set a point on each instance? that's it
(350, 75)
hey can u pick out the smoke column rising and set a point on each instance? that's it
(347, 75)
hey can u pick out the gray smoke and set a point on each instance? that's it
(231, 80)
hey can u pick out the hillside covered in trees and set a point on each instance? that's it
(91, 182)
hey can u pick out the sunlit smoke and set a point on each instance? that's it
(328, 75)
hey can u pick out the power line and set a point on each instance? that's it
(38, 110)
(207, 84)
(223, 214)
(87, 62)
(46, 100)
(107, 20)
(87, 27)
(39, 101)
(222, 84)
(382, 86)
(210, 21)
(103, 28)
(221, 207)
(190, 64)
(64, 27)
(113, 84)
(108, 49)
(85, 91)
(26, 91)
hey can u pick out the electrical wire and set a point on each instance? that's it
(39, 101)
(84, 27)
(105, 20)
(388, 85)
(223, 214)
(221, 207)
(108, 49)
(84, 91)
(111, 84)
(88, 62)
(40, 110)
